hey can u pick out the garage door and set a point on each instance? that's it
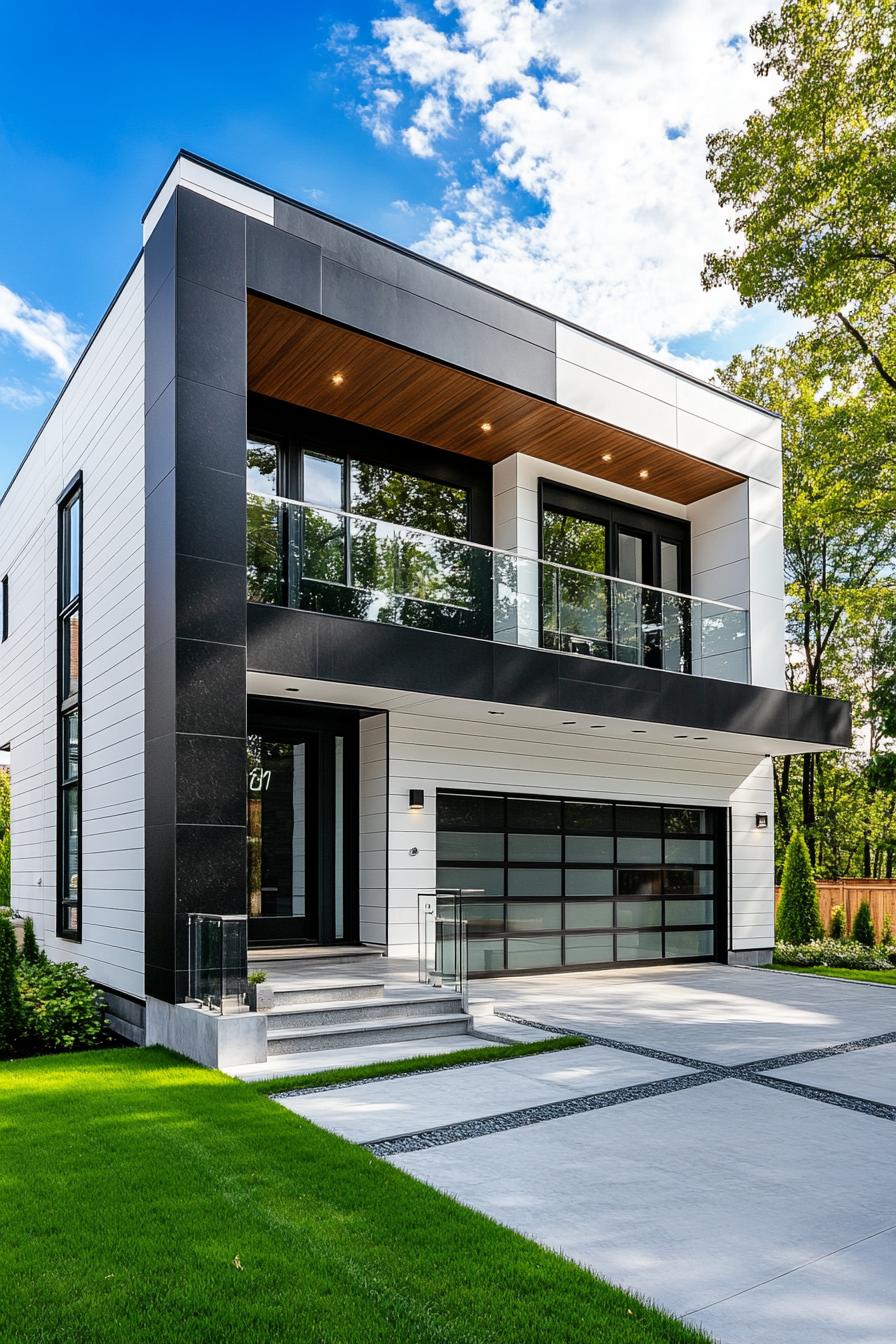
(573, 883)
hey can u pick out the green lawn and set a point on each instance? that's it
(388, 1068)
(146, 1199)
(839, 972)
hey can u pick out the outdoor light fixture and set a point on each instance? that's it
(338, 379)
(486, 427)
(606, 457)
(415, 800)
(762, 821)
(644, 474)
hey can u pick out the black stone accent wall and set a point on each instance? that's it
(195, 625)
(334, 648)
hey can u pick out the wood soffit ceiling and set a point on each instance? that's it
(294, 356)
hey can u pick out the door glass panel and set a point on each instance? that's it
(470, 846)
(638, 820)
(489, 880)
(533, 882)
(261, 467)
(687, 821)
(588, 818)
(523, 952)
(689, 851)
(533, 814)
(638, 914)
(485, 955)
(638, 946)
(582, 948)
(589, 849)
(638, 849)
(589, 915)
(639, 882)
(533, 916)
(469, 811)
(670, 568)
(589, 881)
(576, 605)
(630, 563)
(689, 912)
(483, 917)
(339, 839)
(689, 943)
(397, 497)
(277, 828)
(533, 848)
(579, 542)
(689, 881)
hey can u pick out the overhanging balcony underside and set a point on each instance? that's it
(309, 361)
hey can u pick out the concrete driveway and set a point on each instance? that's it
(724, 1145)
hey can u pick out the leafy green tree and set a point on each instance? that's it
(886, 933)
(5, 839)
(863, 930)
(31, 951)
(838, 922)
(10, 999)
(798, 919)
(809, 183)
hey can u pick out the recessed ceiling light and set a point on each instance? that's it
(496, 711)
(678, 736)
(598, 725)
(606, 457)
(569, 723)
(338, 379)
(701, 739)
(639, 730)
(644, 474)
(486, 426)
(292, 688)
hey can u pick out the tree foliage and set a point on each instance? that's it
(798, 919)
(863, 930)
(810, 183)
(10, 999)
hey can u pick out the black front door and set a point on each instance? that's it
(301, 860)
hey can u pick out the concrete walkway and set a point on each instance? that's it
(724, 1145)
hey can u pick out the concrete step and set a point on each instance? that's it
(311, 958)
(298, 993)
(337, 1014)
(370, 1032)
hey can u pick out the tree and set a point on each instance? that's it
(5, 840)
(798, 919)
(838, 922)
(863, 930)
(839, 538)
(809, 183)
(31, 951)
(10, 999)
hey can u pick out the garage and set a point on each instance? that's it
(574, 883)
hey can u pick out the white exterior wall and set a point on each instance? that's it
(97, 428)
(431, 751)
(373, 826)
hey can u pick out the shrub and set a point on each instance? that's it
(798, 919)
(10, 1000)
(886, 933)
(30, 950)
(61, 1008)
(863, 930)
(256, 977)
(834, 952)
(838, 922)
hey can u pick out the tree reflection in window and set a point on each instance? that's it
(576, 605)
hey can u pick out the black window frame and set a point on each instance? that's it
(4, 609)
(67, 707)
(716, 830)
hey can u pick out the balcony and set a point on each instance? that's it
(342, 564)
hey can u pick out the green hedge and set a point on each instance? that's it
(836, 952)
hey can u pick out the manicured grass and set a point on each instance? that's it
(387, 1068)
(145, 1199)
(838, 972)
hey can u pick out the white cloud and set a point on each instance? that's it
(20, 398)
(42, 333)
(594, 116)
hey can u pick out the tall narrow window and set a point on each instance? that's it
(68, 918)
(4, 608)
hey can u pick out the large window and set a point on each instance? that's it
(572, 882)
(68, 919)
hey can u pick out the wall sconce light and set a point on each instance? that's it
(762, 821)
(415, 800)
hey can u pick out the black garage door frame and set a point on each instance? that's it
(526, 850)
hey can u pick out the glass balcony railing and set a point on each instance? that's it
(301, 555)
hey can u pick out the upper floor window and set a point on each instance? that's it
(4, 608)
(68, 915)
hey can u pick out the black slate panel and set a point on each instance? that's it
(282, 266)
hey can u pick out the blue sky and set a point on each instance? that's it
(551, 147)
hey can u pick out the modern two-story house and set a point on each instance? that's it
(334, 577)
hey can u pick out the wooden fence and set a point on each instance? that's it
(850, 892)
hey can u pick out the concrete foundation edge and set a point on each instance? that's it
(212, 1039)
(751, 956)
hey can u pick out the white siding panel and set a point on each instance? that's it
(373, 813)
(96, 428)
